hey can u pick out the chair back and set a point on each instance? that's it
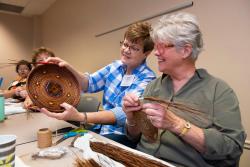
(88, 104)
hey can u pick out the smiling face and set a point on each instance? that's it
(168, 57)
(132, 53)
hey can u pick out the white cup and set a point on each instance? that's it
(7, 150)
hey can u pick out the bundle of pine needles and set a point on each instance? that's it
(127, 158)
(151, 132)
(86, 163)
(146, 127)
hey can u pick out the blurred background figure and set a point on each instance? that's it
(41, 54)
(17, 87)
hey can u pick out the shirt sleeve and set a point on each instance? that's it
(225, 139)
(119, 115)
(97, 79)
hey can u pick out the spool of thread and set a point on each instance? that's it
(44, 138)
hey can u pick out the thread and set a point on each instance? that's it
(44, 138)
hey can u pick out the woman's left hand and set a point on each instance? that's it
(70, 113)
(160, 117)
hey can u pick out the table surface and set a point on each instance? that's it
(26, 127)
(26, 131)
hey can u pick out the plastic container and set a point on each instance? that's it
(2, 114)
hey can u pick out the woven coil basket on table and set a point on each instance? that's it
(49, 86)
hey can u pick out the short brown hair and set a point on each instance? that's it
(39, 51)
(140, 31)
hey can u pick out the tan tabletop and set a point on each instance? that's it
(25, 128)
(25, 151)
(26, 132)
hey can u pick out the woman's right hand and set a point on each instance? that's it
(130, 105)
(56, 60)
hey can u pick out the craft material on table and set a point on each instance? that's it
(76, 132)
(83, 143)
(51, 153)
(44, 138)
(108, 154)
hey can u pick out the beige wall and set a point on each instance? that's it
(16, 42)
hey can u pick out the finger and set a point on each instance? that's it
(135, 98)
(50, 114)
(49, 59)
(62, 64)
(155, 113)
(131, 100)
(150, 112)
(54, 60)
(66, 106)
(127, 103)
(153, 105)
(129, 109)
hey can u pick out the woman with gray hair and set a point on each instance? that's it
(197, 115)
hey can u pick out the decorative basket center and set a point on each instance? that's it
(53, 89)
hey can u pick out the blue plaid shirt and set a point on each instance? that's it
(108, 79)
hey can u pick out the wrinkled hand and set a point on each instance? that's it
(131, 104)
(70, 113)
(58, 61)
(160, 117)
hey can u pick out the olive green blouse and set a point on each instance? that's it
(220, 120)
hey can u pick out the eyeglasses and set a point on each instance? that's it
(163, 45)
(132, 48)
(23, 69)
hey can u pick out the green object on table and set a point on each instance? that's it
(2, 113)
(72, 133)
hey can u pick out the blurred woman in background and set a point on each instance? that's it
(17, 86)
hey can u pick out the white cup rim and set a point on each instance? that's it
(5, 139)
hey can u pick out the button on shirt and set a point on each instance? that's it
(108, 79)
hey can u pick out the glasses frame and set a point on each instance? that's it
(131, 48)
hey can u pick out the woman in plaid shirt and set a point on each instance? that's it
(129, 74)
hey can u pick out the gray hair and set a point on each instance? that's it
(179, 29)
